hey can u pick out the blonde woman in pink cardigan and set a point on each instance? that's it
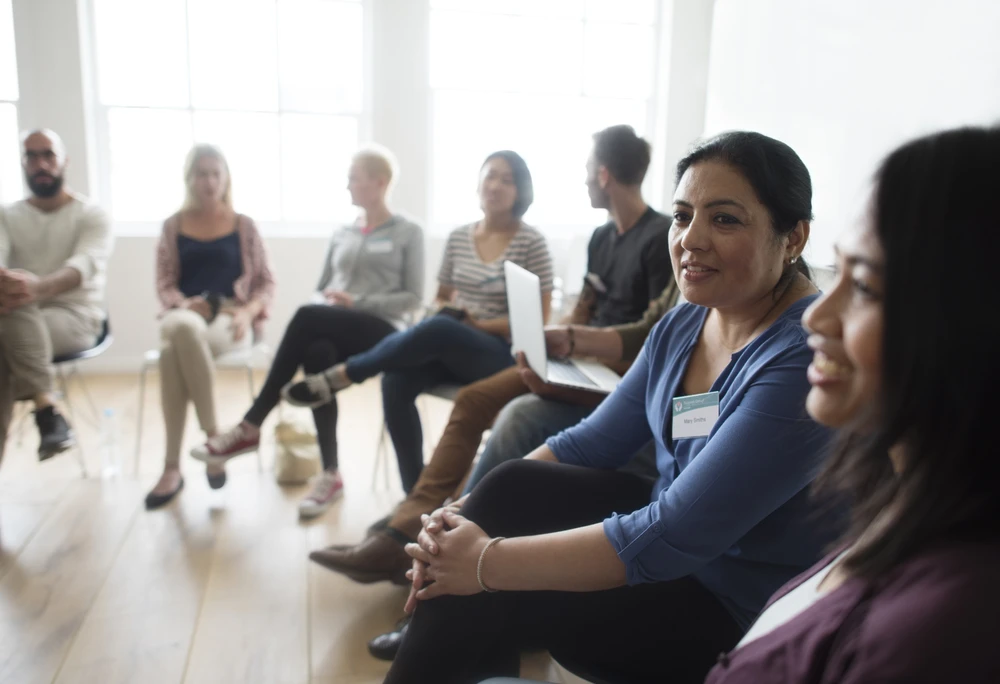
(215, 286)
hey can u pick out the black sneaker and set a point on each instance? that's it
(56, 434)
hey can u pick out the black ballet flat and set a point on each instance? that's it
(216, 481)
(154, 501)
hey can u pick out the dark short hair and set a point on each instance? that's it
(522, 179)
(940, 373)
(774, 171)
(623, 153)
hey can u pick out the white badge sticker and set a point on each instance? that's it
(379, 246)
(695, 415)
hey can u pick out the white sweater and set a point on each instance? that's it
(78, 235)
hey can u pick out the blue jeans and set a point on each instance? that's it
(438, 350)
(525, 423)
(522, 426)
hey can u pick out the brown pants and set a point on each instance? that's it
(476, 406)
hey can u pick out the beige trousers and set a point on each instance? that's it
(188, 347)
(29, 337)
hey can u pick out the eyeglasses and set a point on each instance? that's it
(33, 157)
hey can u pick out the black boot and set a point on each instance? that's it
(56, 434)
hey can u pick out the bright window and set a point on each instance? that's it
(539, 77)
(10, 166)
(277, 84)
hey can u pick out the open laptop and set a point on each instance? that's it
(527, 332)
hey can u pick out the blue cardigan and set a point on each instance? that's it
(731, 509)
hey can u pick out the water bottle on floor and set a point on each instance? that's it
(111, 465)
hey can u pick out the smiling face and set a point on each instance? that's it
(724, 250)
(846, 327)
(497, 190)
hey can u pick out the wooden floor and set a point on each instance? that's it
(214, 588)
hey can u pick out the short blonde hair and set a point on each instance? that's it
(197, 153)
(377, 161)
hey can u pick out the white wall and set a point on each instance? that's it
(845, 81)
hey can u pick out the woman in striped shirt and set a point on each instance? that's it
(468, 338)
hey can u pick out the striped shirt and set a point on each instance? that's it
(480, 288)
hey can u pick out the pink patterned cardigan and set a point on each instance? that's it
(256, 282)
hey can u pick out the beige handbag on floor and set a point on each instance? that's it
(296, 453)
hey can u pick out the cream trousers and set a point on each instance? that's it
(188, 347)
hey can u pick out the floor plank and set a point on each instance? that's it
(141, 626)
(214, 588)
(48, 590)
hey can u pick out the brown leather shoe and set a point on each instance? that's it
(379, 558)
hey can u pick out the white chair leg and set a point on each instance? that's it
(95, 414)
(138, 421)
(18, 424)
(80, 458)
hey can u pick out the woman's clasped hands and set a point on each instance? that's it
(445, 556)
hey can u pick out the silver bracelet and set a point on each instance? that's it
(479, 568)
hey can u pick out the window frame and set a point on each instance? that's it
(653, 189)
(279, 226)
(16, 193)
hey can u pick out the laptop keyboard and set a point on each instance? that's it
(566, 373)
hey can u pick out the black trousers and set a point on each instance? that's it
(663, 632)
(318, 337)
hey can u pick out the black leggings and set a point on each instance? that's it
(663, 632)
(318, 337)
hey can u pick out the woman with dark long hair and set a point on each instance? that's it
(906, 364)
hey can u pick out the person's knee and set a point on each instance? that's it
(475, 400)
(22, 324)
(319, 356)
(499, 491)
(180, 326)
(518, 411)
(435, 327)
(306, 315)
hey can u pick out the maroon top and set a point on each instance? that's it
(933, 619)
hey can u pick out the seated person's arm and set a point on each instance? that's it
(764, 454)
(583, 310)
(444, 296)
(501, 326)
(93, 248)
(167, 275)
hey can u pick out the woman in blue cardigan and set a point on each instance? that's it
(638, 583)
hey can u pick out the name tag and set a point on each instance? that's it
(379, 247)
(695, 415)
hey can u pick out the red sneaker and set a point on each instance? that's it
(327, 488)
(224, 446)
